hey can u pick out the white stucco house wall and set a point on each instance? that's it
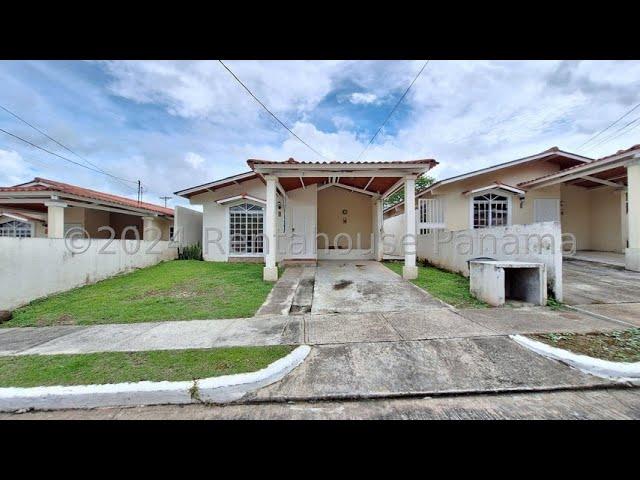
(593, 200)
(306, 210)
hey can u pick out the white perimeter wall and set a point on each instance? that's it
(31, 268)
(394, 229)
(451, 250)
(187, 226)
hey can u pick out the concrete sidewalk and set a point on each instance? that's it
(434, 323)
(117, 337)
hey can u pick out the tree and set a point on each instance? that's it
(421, 183)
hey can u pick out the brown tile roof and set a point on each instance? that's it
(594, 162)
(52, 185)
(425, 161)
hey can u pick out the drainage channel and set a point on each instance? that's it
(303, 298)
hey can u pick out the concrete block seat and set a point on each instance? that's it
(495, 281)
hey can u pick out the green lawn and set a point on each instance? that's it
(114, 367)
(617, 346)
(175, 290)
(449, 287)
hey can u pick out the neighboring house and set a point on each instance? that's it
(308, 210)
(48, 208)
(592, 199)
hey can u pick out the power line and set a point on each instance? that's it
(270, 113)
(165, 198)
(607, 128)
(65, 147)
(613, 136)
(57, 155)
(394, 108)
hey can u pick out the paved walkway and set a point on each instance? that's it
(614, 404)
(365, 286)
(434, 323)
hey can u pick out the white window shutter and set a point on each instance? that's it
(431, 213)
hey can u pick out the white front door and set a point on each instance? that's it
(546, 210)
(303, 232)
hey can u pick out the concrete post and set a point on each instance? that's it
(270, 271)
(410, 271)
(55, 219)
(632, 254)
(379, 223)
(151, 229)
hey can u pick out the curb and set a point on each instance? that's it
(224, 389)
(618, 371)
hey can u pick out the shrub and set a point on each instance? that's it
(190, 252)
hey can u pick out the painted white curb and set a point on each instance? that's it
(222, 389)
(620, 371)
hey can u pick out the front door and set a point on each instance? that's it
(303, 232)
(546, 210)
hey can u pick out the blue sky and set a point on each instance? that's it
(175, 124)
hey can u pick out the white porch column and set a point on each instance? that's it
(632, 254)
(379, 223)
(270, 272)
(55, 219)
(410, 271)
(151, 229)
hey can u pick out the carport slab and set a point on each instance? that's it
(593, 283)
(440, 323)
(510, 321)
(627, 312)
(367, 370)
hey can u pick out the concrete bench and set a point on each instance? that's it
(496, 281)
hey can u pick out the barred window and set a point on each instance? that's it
(246, 223)
(16, 228)
(490, 210)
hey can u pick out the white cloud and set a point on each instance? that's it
(342, 122)
(194, 159)
(359, 98)
(13, 169)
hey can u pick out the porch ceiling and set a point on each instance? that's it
(375, 177)
(377, 185)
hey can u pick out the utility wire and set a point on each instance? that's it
(57, 155)
(66, 148)
(613, 136)
(270, 113)
(607, 128)
(394, 109)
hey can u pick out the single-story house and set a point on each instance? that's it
(48, 208)
(307, 210)
(597, 201)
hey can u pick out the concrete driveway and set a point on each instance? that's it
(587, 283)
(603, 290)
(365, 286)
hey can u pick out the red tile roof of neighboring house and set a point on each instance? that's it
(43, 184)
(575, 167)
(425, 161)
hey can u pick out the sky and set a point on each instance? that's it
(176, 124)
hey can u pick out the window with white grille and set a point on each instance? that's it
(246, 223)
(490, 210)
(430, 215)
(16, 228)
